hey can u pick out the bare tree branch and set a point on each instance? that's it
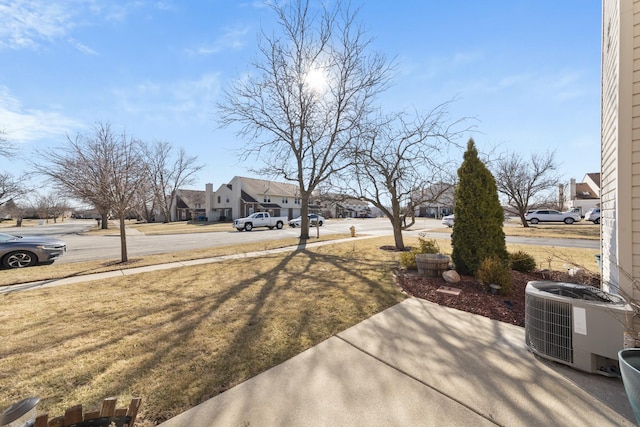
(523, 180)
(168, 172)
(10, 188)
(101, 168)
(311, 88)
(400, 164)
(7, 148)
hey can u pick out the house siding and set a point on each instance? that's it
(620, 157)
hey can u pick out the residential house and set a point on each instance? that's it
(583, 195)
(620, 154)
(243, 196)
(436, 201)
(189, 204)
(341, 206)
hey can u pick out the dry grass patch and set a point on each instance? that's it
(25, 223)
(580, 230)
(178, 337)
(62, 270)
(180, 227)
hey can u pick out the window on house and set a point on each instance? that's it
(267, 198)
(285, 200)
(296, 201)
(227, 199)
(218, 199)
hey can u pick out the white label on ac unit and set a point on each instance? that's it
(579, 320)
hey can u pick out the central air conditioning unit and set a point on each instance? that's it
(579, 326)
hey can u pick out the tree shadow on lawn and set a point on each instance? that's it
(176, 346)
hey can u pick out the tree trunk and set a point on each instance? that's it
(123, 240)
(105, 221)
(396, 221)
(413, 221)
(304, 218)
(397, 234)
(523, 220)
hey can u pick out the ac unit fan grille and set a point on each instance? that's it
(548, 327)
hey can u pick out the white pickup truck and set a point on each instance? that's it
(260, 219)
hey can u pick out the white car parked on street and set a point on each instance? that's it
(448, 220)
(551, 215)
(593, 215)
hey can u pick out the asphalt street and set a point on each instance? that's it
(81, 247)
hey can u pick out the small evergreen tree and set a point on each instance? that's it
(477, 232)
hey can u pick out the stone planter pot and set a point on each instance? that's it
(432, 265)
(494, 289)
(630, 369)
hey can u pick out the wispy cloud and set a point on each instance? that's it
(180, 101)
(26, 23)
(232, 38)
(30, 24)
(81, 46)
(27, 125)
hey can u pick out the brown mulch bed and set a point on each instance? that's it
(475, 298)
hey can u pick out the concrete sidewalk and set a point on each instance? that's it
(418, 364)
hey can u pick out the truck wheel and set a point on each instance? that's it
(279, 225)
(568, 221)
(248, 227)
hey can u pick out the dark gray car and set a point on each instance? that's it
(25, 251)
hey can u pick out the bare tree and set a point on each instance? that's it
(16, 210)
(312, 86)
(7, 148)
(144, 201)
(50, 205)
(523, 180)
(168, 172)
(10, 188)
(399, 165)
(100, 168)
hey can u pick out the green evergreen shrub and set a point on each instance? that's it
(408, 259)
(477, 232)
(522, 262)
(495, 270)
(427, 246)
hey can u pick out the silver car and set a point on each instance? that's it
(19, 251)
(313, 219)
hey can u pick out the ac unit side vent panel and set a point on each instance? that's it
(549, 327)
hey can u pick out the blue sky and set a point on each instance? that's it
(527, 71)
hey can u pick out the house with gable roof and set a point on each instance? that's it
(188, 205)
(584, 195)
(243, 196)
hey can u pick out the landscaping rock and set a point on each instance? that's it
(451, 276)
(576, 272)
